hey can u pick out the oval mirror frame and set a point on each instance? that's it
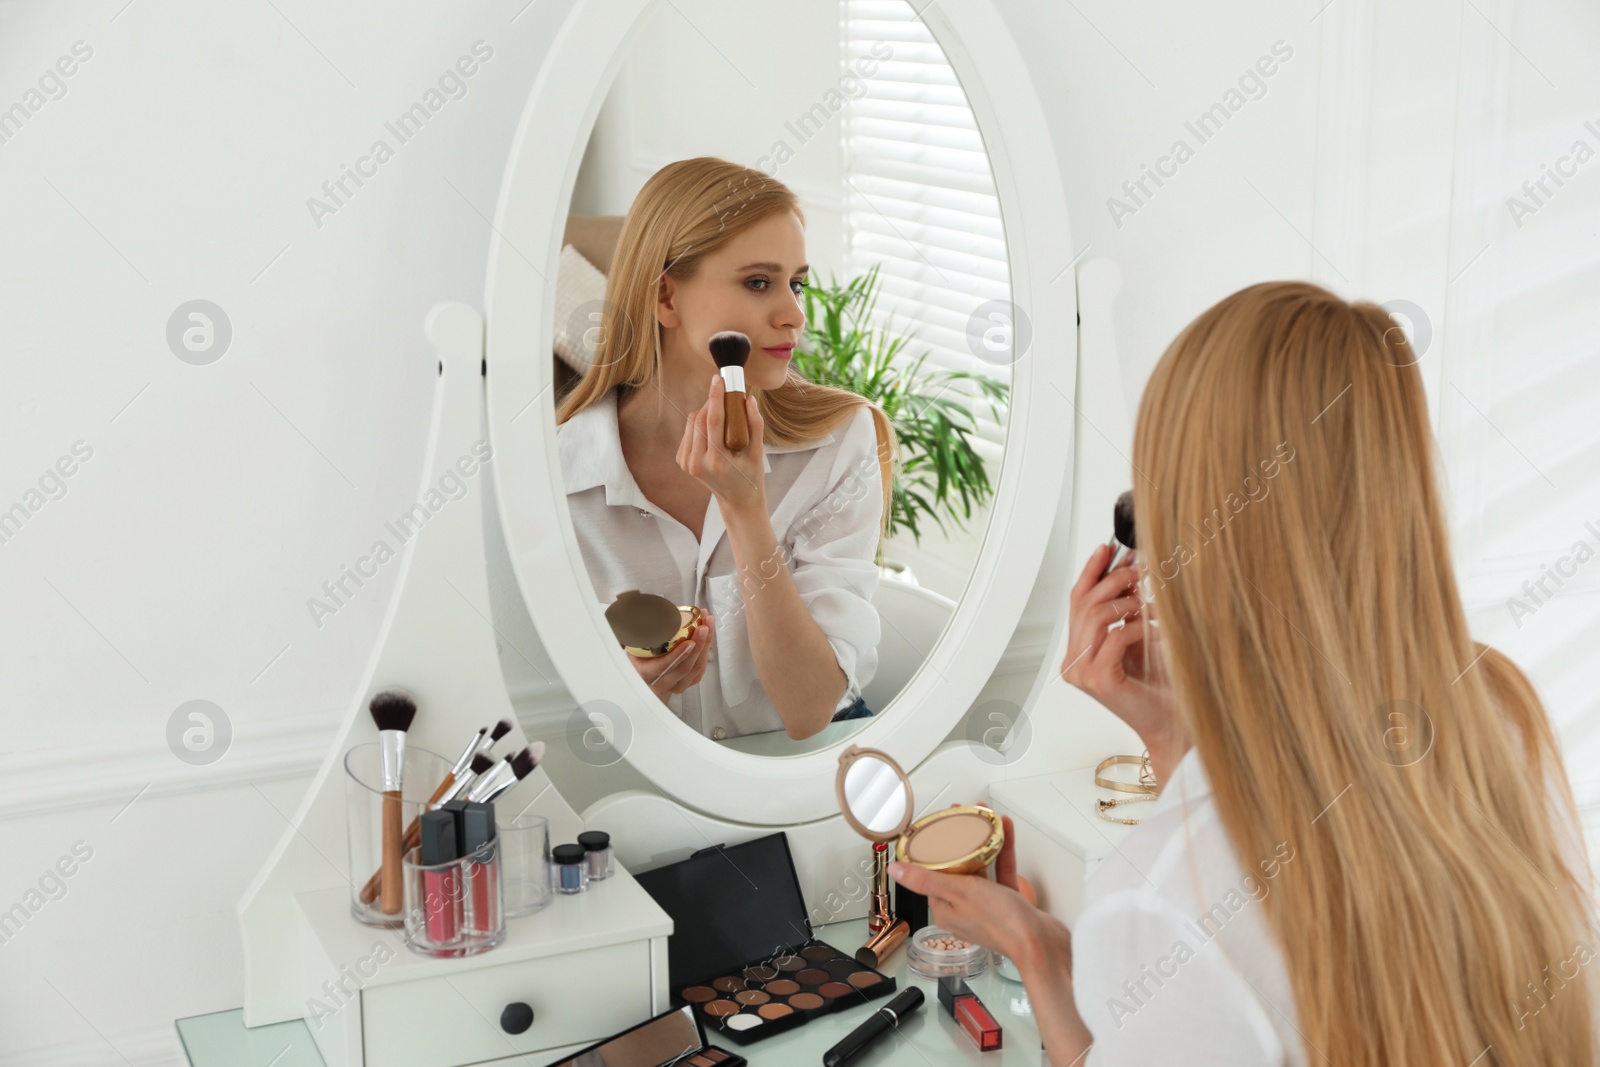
(577, 72)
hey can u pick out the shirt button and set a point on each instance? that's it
(643, 514)
(718, 733)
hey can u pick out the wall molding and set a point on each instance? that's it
(79, 776)
(152, 1046)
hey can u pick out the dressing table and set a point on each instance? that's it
(595, 963)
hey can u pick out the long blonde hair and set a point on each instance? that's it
(1302, 585)
(684, 212)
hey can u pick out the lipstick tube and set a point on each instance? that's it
(879, 917)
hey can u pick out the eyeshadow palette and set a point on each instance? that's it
(783, 991)
(671, 1039)
(742, 953)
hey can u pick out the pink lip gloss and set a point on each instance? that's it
(483, 873)
(441, 890)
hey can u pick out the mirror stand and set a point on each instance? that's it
(307, 957)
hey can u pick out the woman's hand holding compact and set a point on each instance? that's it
(681, 668)
(737, 479)
(996, 916)
(993, 914)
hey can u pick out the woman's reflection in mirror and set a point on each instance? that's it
(660, 505)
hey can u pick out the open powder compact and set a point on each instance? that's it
(875, 797)
(648, 625)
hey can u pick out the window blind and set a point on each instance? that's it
(920, 201)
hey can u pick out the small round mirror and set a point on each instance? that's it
(874, 794)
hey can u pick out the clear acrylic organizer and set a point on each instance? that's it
(421, 774)
(454, 908)
(524, 862)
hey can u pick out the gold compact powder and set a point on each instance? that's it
(948, 838)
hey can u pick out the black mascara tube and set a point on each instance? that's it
(883, 1020)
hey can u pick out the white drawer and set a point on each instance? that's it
(453, 1020)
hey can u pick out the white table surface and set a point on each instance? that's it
(928, 1036)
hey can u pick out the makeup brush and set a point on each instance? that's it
(392, 710)
(482, 764)
(1122, 537)
(370, 891)
(507, 773)
(730, 349)
(500, 729)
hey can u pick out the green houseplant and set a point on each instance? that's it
(941, 476)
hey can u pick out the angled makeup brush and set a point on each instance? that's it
(500, 729)
(392, 710)
(730, 349)
(1122, 537)
(369, 892)
(507, 773)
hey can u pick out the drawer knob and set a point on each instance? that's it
(516, 1018)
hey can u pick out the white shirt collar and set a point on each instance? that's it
(1187, 783)
(590, 447)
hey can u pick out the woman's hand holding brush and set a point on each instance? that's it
(738, 479)
(1121, 665)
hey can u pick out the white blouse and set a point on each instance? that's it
(825, 498)
(1173, 959)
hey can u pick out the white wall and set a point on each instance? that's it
(218, 498)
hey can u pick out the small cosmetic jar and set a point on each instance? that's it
(569, 869)
(928, 954)
(597, 853)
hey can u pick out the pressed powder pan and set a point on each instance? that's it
(648, 625)
(875, 798)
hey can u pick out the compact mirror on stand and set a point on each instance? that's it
(876, 800)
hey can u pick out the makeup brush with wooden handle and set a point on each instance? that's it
(452, 784)
(731, 349)
(392, 710)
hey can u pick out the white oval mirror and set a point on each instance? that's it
(865, 233)
(620, 65)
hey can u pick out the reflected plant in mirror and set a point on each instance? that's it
(941, 473)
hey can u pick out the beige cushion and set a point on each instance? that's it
(595, 238)
(580, 290)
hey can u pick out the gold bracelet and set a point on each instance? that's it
(1102, 806)
(1147, 783)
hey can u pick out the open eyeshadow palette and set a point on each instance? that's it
(730, 906)
(672, 1039)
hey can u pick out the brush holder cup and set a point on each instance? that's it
(455, 908)
(421, 774)
(524, 862)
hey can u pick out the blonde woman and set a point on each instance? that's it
(1365, 850)
(777, 542)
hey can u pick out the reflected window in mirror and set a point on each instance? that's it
(921, 210)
